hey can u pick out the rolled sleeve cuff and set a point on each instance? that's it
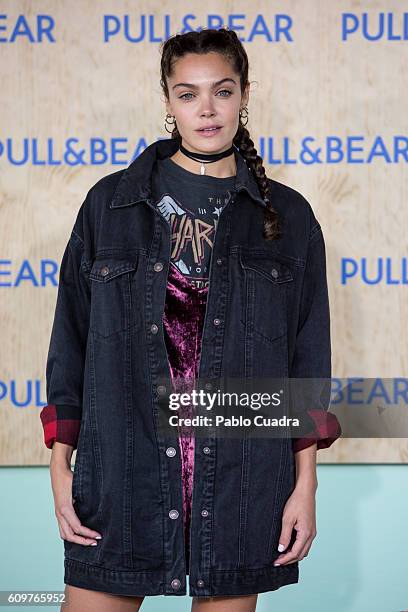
(61, 424)
(326, 431)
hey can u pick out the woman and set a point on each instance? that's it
(193, 211)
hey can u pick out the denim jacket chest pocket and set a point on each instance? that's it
(113, 293)
(266, 282)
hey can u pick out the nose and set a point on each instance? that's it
(207, 107)
(207, 114)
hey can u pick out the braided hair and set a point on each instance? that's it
(227, 43)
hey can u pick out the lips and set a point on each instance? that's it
(209, 128)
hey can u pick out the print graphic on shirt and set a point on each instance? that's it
(192, 235)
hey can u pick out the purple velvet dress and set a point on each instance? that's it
(191, 204)
(183, 324)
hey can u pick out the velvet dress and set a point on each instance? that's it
(183, 323)
(191, 204)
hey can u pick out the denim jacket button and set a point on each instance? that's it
(206, 450)
(217, 321)
(161, 389)
(154, 328)
(171, 451)
(158, 266)
(200, 583)
(208, 385)
(204, 512)
(219, 261)
(274, 273)
(175, 584)
(173, 514)
(104, 270)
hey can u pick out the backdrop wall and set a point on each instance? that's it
(80, 98)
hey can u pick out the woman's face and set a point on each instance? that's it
(204, 91)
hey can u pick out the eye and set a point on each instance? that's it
(182, 97)
(186, 94)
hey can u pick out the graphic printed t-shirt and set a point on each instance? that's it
(191, 203)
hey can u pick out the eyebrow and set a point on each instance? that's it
(192, 86)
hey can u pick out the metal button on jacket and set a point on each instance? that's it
(173, 514)
(158, 266)
(200, 583)
(171, 451)
(105, 270)
(204, 512)
(274, 273)
(175, 583)
(154, 328)
(161, 389)
(217, 321)
(206, 450)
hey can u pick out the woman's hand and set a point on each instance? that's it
(300, 509)
(299, 514)
(70, 526)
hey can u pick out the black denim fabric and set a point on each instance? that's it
(107, 356)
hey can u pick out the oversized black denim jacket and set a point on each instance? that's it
(267, 315)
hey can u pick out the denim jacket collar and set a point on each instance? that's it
(134, 185)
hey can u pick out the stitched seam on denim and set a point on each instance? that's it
(263, 569)
(78, 237)
(314, 231)
(108, 569)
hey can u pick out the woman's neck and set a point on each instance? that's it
(223, 168)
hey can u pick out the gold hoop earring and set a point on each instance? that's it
(245, 116)
(166, 122)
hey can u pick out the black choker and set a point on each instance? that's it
(206, 158)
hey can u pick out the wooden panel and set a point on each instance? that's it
(314, 85)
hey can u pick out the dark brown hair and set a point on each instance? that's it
(227, 43)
